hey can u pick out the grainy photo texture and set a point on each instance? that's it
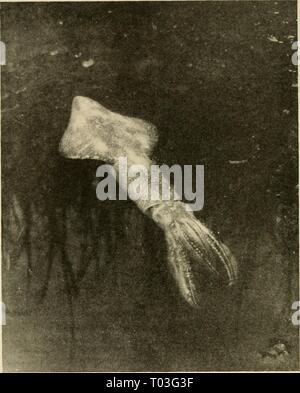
(149, 186)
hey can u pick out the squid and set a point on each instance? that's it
(195, 257)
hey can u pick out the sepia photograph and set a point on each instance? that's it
(149, 187)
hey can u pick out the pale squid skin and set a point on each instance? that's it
(195, 256)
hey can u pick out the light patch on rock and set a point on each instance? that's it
(88, 63)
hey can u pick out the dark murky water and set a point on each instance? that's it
(86, 283)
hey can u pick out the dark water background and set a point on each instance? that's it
(85, 283)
